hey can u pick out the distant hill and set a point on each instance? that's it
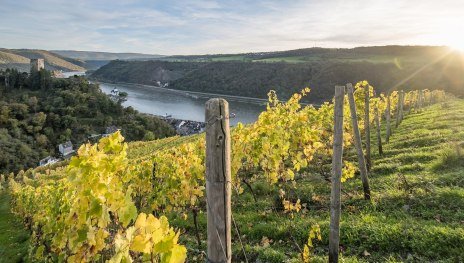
(20, 59)
(107, 56)
(146, 72)
(371, 54)
(254, 74)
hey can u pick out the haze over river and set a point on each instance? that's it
(184, 105)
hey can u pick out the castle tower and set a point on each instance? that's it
(37, 64)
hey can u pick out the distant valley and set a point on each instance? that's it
(254, 74)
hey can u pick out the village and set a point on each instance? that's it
(66, 149)
(185, 127)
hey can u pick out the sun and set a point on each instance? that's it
(455, 42)
(457, 47)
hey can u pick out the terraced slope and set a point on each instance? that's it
(416, 213)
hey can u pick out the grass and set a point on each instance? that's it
(13, 237)
(416, 213)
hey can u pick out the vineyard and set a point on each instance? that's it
(401, 194)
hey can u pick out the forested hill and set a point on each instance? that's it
(37, 113)
(286, 72)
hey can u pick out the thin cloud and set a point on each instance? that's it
(208, 26)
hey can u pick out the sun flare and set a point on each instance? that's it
(455, 41)
(459, 46)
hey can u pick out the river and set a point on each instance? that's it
(184, 105)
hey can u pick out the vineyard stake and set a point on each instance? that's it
(335, 207)
(402, 106)
(358, 143)
(218, 181)
(399, 108)
(388, 119)
(379, 137)
(420, 99)
(367, 126)
(411, 95)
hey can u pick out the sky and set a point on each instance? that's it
(234, 26)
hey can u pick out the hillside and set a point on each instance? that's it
(144, 72)
(95, 55)
(20, 58)
(416, 212)
(37, 113)
(371, 54)
(391, 67)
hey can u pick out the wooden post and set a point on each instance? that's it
(218, 181)
(367, 126)
(420, 99)
(358, 143)
(399, 108)
(412, 96)
(427, 98)
(379, 137)
(432, 98)
(402, 106)
(388, 118)
(335, 206)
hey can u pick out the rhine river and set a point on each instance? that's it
(184, 105)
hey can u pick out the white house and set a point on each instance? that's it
(66, 148)
(115, 92)
(47, 161)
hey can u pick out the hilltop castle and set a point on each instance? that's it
(37, 64)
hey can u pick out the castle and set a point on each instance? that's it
(37, 64)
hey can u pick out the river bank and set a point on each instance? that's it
(193, 94)
(181, 105)
(182, 127)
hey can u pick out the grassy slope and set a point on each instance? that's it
(6, 58)
(13, 237)
(20, 58)
(417, 212)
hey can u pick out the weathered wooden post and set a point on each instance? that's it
(411, 99)
(427, 97)
(218, 181)
(402, 106)
(358, 143)
(388, 119)
(335, 203)
(367, 126)
(421, 95)
(399, 108)
(377, 122)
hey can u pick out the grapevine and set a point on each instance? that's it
(102, 205)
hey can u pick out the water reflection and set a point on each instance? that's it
(181, 105)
